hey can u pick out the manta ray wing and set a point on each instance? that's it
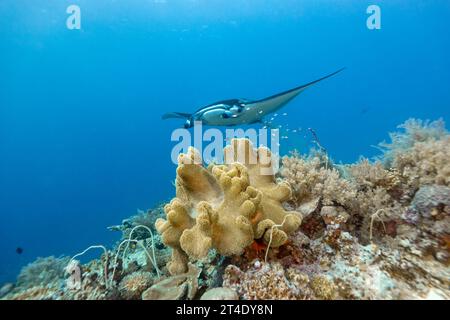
(277, 101)
(176, 115)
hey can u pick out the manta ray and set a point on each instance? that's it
(233, 112)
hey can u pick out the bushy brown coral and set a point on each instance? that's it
(225, 206)
(412, 131)
(425, 163)
(315, 185)
(420, 152)
(366, 191)
(367, 175)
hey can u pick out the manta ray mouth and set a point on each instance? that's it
(188, 124)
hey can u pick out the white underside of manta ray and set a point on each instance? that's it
(234, 112)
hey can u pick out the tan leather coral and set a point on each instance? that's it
(225, 207)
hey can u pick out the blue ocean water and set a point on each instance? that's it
(82, 143)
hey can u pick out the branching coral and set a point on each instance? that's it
(42, 272)
(225, 206)
(425, 163)
(315, 185)
(367, 175)
(414, 131)
(420, 153)
(366, 188)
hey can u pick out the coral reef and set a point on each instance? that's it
(225, 207)
(369, 230)
(372, 230)
(39, 280)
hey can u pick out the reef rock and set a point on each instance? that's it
(183, 286)
(220, 293)
(431, 200)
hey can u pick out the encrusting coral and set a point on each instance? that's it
(273, 282)
(227, 206)
(133, 285)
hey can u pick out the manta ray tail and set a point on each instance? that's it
(176, 115)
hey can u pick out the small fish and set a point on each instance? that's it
(19, 250)
(365, 110)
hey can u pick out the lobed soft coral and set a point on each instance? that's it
(225, 206)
